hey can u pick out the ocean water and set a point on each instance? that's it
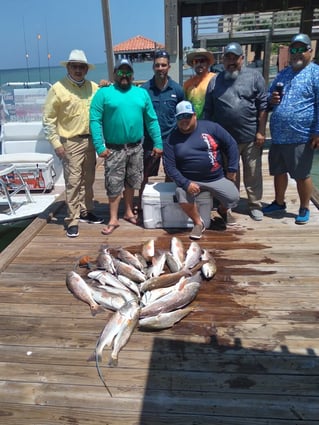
(142, 71)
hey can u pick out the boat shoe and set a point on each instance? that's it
(303, 216)
(227, 216)
(274, 207)
(73, 231)
(197, 231)
(90, 218)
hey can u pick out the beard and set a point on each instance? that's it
(298, 64)
(231, 75)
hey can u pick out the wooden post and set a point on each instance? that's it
(108, 38)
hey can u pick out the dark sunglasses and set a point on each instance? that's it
(80, 66)
(184, 117)
(121, 73)
(294, 50)
(200, 60)
(161, 54)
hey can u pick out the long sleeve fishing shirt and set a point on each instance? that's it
(164, 103)
(66, 110)
(118, 116)
(236, 104)
(198, 156)
(296, 118)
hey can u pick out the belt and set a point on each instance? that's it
(119, 147)
(79, 136)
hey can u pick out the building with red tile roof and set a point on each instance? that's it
(138, 48)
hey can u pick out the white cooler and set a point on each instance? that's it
(161, 209)
(36, 169)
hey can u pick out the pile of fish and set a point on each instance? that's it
(152, 290)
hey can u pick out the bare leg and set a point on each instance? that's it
(192, 211)
(128, 195)
(304, 188)
(114, 209)
(280, 183)
(140, 193)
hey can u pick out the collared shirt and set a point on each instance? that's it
(66, 110)
(164, 102)
(236, 104)
(118, 117)
(195, 90)
(296, 118)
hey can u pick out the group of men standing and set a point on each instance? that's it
(202, 130)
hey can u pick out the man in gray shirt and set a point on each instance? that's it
(237, 100)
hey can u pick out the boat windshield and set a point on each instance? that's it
(23, 102)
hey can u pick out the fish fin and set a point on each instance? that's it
(113, 362)
(96, 309)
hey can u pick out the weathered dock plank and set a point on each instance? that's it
(247, 354)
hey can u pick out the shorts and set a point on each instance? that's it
(151, 164)
(223, 189)
(123, 168)
(293, 158)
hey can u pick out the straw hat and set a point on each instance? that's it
(200, 52)
(77, 56)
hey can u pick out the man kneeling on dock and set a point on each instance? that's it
(193, 160)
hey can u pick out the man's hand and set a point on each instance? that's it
(104, 154)
(157, 153)
(104, 83)
(260, 139)
(231, 176)
(193, 189)
(315, 142)
(60, 152)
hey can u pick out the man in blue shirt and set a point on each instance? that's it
(165, 94)
(294, 127)
(193, 159)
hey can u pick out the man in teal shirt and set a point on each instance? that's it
(117, 117)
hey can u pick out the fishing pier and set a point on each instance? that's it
(247, 354)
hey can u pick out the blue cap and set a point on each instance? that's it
(234, 48)
(301, 38)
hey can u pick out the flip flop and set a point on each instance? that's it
(132, 220)
(109, 229)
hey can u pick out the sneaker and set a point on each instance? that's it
(303, 216)
(197, 231)
(73, 231)
(256, 214)
(227, 216)
(273, 207)
(90, 218)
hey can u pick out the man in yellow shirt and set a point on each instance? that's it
(66, 125)
(195, 87)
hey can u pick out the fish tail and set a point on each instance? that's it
(98, 359)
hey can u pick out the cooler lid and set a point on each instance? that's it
(23, 158)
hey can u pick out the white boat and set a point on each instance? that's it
(31, 175)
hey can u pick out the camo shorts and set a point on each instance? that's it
(123, 168)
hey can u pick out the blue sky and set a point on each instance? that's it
(64, 25)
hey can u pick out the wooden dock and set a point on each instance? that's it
(248, 354)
